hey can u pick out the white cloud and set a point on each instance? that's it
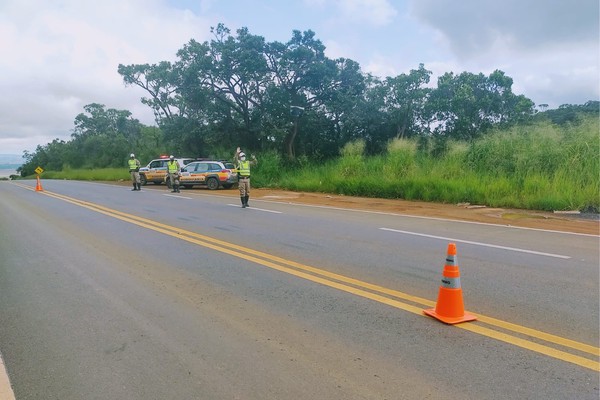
(550, 49)
(374, 12)
(474, 26)
(59, 57)
(335, 49)
(381, 66)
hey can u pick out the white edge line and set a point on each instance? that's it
(430, 218)
(404, 215)
(256, 209)
(177, 197)
(478, 243)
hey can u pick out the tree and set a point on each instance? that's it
(405, 100)
(238, 89)
(229, 75)
(103, 136)
(466, 106)
(569, 113)
(302, 76)
(160, 81)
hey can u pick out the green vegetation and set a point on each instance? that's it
(321, 124)
(100, 174)
(542, 167)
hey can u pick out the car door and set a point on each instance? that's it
(218, 171)
(194, 174)
(200, 173)
(187, 174)
(157, 171)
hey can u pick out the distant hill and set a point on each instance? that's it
(11, 159)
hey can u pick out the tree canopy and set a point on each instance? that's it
(237, 89)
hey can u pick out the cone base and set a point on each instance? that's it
(450, 320)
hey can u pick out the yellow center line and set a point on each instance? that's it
(357, 287)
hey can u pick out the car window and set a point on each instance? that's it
(187, 161)
(215, 167)
(189, 168)
(229, 165)
(156, 164)
(202, 167)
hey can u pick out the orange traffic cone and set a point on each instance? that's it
(38, 187)
(449, 307)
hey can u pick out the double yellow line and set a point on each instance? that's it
(504, 331)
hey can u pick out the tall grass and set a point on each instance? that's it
(101, 174)
(543, 167)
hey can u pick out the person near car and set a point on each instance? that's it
(173, 169)
(243, 169)
(134, 170)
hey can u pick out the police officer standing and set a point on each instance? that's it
(134, 170)
(243, 169)
(173, 169)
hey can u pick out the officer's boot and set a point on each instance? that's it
(246, 200)
(134, 186)
(177, 188)
(243, 199)
(139, 185)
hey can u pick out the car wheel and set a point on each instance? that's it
(143, 180)
(212, 183)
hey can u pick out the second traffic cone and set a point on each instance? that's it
(38, 187)
(450, 307)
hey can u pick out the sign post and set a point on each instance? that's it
(38, 186)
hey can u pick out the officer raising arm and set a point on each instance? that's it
(243, 169)
(134, 170)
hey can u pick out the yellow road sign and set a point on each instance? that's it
(39, 170)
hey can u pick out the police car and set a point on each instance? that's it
(208, 173)
(156, 170)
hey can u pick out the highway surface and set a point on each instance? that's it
(106, 293)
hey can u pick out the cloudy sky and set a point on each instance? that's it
(59, 55)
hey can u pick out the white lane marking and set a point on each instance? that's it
(479, 243)
(398, 215)
(177, 197)
(256, 209)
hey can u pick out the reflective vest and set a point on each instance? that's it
(173, 166)
(244, 168)
(133, 164)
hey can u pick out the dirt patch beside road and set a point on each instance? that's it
(463, 212)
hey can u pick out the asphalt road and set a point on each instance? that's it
(107, 293)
